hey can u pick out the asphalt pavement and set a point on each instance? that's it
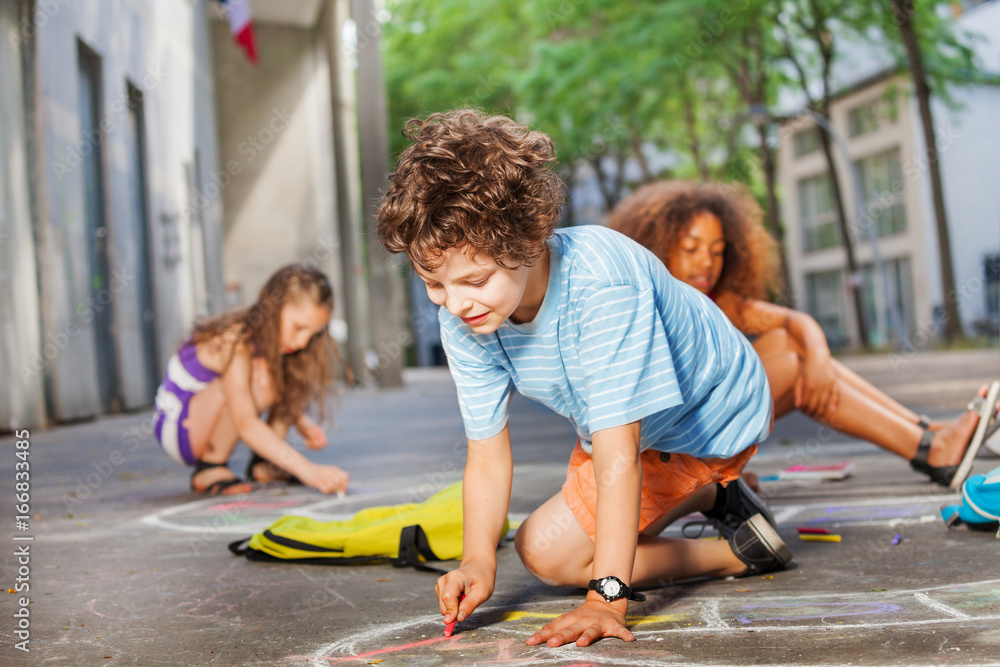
(125, 565)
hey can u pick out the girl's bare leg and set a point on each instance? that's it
(554, 548)
(265, 471)
(212, 432)
(858, 416)
(866, 388)
(779, 341)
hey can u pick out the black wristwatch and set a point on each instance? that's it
(613, 588)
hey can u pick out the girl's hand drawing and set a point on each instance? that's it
(326, 479)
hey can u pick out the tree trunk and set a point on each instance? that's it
(694, 145)
(852, 268)
(640, 158)
(903, 10)
(569, 180)
(774, 213)
(619, 182)
(603, 184)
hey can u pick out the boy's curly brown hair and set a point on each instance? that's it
(471, 179)
(658, 214)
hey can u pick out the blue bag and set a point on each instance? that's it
(980, 508)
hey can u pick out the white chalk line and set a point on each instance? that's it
(941, 607)
(159, 519)
(710, 615)
(713, 616)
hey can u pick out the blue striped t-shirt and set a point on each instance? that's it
(616, 339)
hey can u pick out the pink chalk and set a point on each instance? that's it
(449, 628)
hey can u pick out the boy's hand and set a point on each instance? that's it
(593, 620)
(474, 580)
(313, 435)
(326, 479)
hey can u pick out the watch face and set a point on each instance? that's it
(611, 588)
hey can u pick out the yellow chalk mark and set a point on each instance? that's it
(634, 620)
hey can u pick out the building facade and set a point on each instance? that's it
(890, 215)
(150, 176)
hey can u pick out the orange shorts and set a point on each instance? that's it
(668, 479)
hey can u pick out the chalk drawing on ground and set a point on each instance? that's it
(938, 606)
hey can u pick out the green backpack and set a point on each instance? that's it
(406, 535)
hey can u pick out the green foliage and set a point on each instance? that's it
(946, 51)
(603, 77)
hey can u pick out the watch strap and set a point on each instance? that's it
(627, 592)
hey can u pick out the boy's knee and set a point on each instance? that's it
(538, 555)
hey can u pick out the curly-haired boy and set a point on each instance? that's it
(668, 399)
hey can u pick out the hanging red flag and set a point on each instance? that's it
(240, 25)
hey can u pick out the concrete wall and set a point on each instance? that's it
(21, 398)
(162, 49)
(276, 145)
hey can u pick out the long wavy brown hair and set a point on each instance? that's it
(476, 180)
(302, 379)
(657, 216)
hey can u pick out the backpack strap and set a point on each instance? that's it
(240, 547)
(413, 544)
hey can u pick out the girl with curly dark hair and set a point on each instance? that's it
(273, 355)
(711, 236)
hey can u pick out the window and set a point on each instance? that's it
(138, 221)
(806, 141)
(991, 287)
(885, 325)
(882, 186)
(872, 115)
(826, 301)
(818, 213)
(95, 219)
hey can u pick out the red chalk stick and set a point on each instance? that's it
(450, 627)
(813, 531)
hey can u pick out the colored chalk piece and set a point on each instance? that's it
(819, 538)
(896, 540)
(803, 530)
(449, 628)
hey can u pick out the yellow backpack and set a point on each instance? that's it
(405, 535)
